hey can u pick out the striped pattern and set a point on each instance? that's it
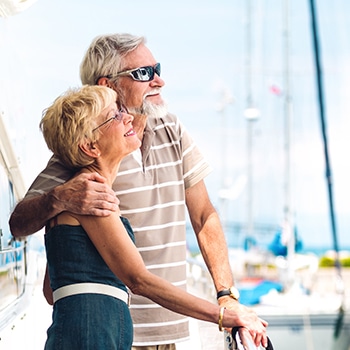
(151, 187)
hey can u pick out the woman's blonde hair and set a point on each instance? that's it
(70, 120)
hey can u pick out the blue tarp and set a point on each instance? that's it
(250, 294)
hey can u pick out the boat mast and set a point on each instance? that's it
(251, 114)
(329, 179)
(340, 287)
(288, 224)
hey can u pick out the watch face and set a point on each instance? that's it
(234, 293)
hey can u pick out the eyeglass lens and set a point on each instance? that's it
(146, 73)
(118, 116)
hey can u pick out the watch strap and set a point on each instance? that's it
(223, 293)
(232, 292)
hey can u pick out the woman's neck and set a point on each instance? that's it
(105, 169)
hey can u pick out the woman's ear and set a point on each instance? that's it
(91, 149)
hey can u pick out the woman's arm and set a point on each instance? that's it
(119, 252)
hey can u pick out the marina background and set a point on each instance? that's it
(205, 60)
(222, 62)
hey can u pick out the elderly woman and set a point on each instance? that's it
(92, 259)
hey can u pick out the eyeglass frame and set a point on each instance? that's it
(118, 116)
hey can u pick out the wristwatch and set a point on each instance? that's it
(231, 292)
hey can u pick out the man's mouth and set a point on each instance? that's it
(152, 93)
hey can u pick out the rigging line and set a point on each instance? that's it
(328, 166)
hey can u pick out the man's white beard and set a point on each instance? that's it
(151, 110)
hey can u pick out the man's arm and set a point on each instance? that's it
(85, 194)
(30, 215)
(210, 236)
(212, 243)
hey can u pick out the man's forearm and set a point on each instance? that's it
(30, 215)
(212, 243)
(210, 236)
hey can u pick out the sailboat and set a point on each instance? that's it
(13, 254)
(302, 312)
(299, 318)
(18, 268)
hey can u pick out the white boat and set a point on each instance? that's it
(12, 254)
(304, 308)
(21, 261)
(18, 263)
(312, 313)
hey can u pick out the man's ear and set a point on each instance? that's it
(104, 81)
(91, 149)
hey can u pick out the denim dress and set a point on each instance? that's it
(84, 321)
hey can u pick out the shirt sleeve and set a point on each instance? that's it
(53, 175)
(195, 166)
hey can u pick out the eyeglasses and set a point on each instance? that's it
(142, 73)
(118, 116)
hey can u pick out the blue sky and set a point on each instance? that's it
(44, 46)
(203, 50)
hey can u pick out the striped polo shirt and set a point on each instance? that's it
(151, 185)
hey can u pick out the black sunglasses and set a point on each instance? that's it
(142, 73)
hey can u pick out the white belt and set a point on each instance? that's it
(95, 288)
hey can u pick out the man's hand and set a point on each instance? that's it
(253, 327)
(85, 194)
(246, 339)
